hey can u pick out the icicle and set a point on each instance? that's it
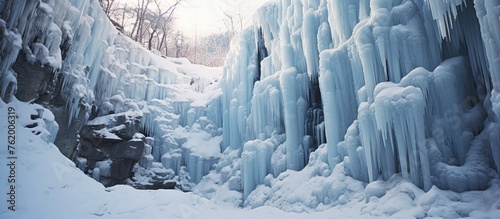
(444, 12)
(256, 163)
(338, 97)
(397, 113)
(288, 85)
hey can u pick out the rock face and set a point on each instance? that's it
(35, 81)
(34, 65)
(38, 83)
(113, 139)
(66, 139)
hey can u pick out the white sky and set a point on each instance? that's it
(206, 16)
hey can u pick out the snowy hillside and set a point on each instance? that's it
(342, 108)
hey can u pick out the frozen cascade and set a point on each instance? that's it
(378, 50)
(369, 59)
(49, 122)
(384, 111)
(294, 113)
(256, 163)
(397, 113)
(237, 88)
(286, 97)
(444, 12)
(458, 22)
(453, 120)
(434, 124)
(338, 97)
(96, 56)
(488, 13)
(10, 43)
(98, 68)
(445, 91)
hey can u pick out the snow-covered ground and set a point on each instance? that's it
(48, 185)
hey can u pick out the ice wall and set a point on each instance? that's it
(268, 88)
(488, 13)
(11, 43)
(404, 88)
(99, 71)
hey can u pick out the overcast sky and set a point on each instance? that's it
(206, 15)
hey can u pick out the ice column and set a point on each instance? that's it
(397, 113)
(338, 97)
(256, 163)
(294, 152)
(10, 44)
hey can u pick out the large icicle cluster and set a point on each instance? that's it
(180, 104)
(100, 69)
(269, 88)
(49, 26)
(404, 87)
(10, 43)
(488, 13)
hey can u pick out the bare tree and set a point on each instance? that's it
(229, 22)
(160, 20)
(233, 21)
(149, 22)
(181, 46)
(140, 14)
(107, 6)
(210, 50)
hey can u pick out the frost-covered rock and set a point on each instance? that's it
(112, 145)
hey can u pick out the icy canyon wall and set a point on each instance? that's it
(381, 87)
(67, 56)
(63, 39)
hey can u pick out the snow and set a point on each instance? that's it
(45, 180)
(59, 179)
(348, 108)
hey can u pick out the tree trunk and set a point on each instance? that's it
(150, 41)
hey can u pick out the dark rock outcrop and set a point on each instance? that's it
(35, 81)
(114, 138)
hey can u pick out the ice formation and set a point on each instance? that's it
(98, 68)
(405, 87)
(328, 97)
